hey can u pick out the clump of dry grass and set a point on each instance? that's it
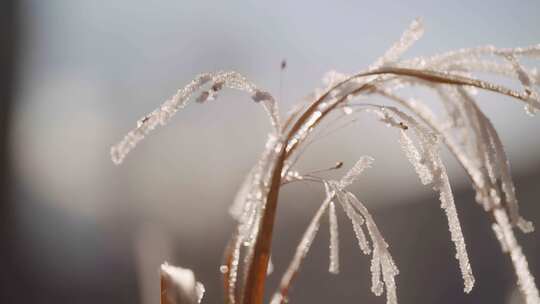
(463, 128)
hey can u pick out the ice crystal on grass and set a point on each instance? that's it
(447, 203)
(163, 114)
(509, 244)
(357, 221)
(179, 286)
(363, 163)
(334, 239)
(415, 158)
(461, 126)
(407, 39)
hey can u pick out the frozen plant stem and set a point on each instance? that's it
(475, 144)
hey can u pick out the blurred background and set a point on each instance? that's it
(76, 75)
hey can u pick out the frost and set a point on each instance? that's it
(163, 114)
(430, 169)
(357, 222)
(440, 181)
(447, 203)
(270, 268)
(199, 290)
(349, 178)
(488, 158)
(332, 78)
(382, 262)
(415, 158)
(377, 286)
(507, 183)
(233, 271)
(509, 244)
(407, 39)
(500, 237)
(334, 240)
(179, 285)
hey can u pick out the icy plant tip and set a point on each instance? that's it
(178, 286)
(461, 127)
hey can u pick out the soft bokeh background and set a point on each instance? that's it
(76, 75)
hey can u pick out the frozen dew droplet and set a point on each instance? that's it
(223, 269)
(179, 285)
(270, 268)
(199, 289)
(278, 298)
(530, 109)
